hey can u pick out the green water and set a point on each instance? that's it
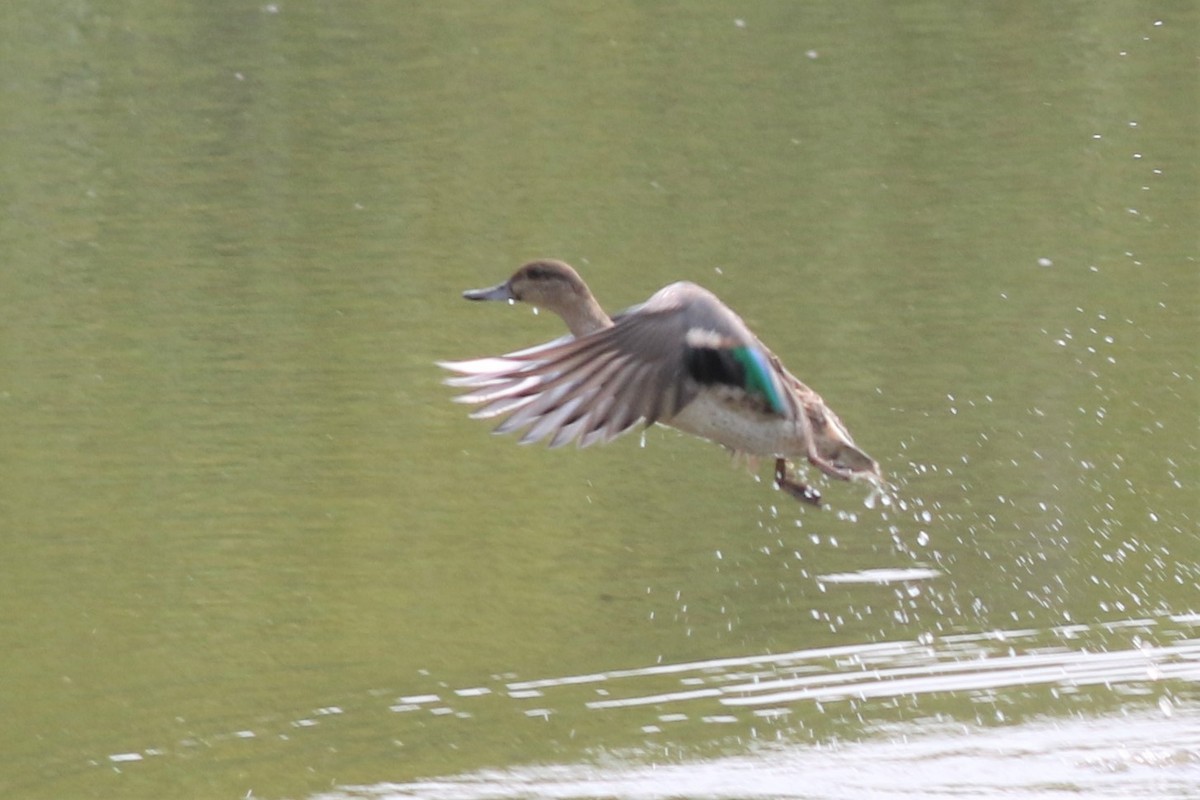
(241, 520)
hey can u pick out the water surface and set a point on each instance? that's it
(251, 548)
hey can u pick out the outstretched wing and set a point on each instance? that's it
(585, 390)
(645, 368)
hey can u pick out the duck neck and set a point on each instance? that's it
(585, 318)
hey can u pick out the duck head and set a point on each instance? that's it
(552, 285)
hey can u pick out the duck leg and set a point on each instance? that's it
(802, 492)
(829, 468)
(815, 458)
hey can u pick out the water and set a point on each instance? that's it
(1044, 761)
(250, 547)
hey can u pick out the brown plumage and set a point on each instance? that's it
(683, 358)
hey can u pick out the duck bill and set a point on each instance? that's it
(498, 292)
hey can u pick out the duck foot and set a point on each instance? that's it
(801, 491)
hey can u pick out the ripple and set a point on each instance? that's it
(1129, 756)
(881, 576)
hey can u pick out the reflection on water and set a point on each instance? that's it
(1137, 755)
(954, 663)
(766, 701)
(1133, 756)
(880, 575)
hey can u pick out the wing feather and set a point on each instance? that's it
(594, 388)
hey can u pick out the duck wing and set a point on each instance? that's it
(651, 363)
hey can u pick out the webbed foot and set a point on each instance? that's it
(801, 491)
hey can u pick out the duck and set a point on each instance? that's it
(682, 359)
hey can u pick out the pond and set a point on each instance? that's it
(251, 548)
